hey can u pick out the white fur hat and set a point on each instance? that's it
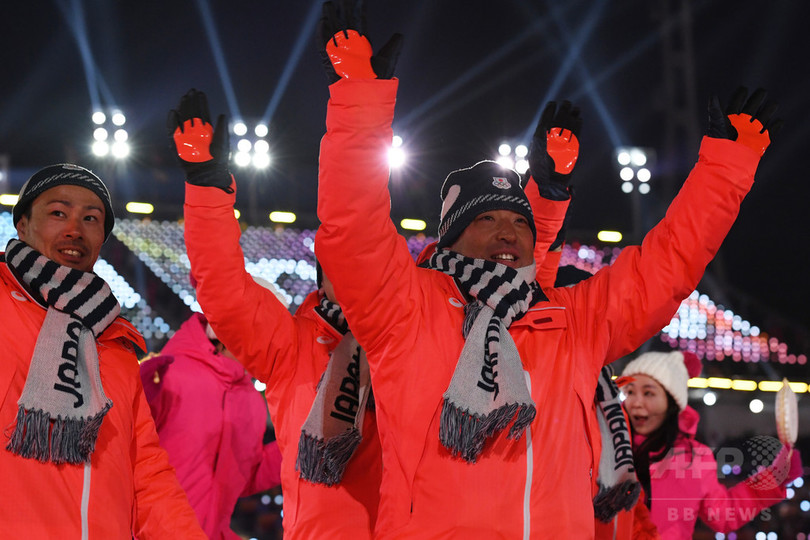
(669, 369)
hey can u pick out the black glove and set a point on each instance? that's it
(203, 151)
(554, 149)
(748, 122)
(345, 50)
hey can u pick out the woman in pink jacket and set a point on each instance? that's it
(211, 421)
(678, 473)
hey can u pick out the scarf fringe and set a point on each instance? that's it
(61, 440)
(610, 501)
(464, 434)
(324, 462)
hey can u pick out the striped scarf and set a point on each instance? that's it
(618, 484)
(334, 426)
(62, 403)
(488, 389)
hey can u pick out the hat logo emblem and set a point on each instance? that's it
(500, 182)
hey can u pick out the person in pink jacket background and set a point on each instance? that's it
(211, 421)
(679, 474)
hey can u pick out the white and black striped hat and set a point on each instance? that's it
(62, 174)
(485, 186)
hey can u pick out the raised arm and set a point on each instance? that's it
(357, 244)
(553, 153)
(642, 289)
(235, 305)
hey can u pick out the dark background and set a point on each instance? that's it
(472, 73)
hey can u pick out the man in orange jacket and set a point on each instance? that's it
(483, 382)
(80, 456)
(327, 494)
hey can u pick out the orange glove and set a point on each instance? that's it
(203, 150)
(346, 52)
(747, 122)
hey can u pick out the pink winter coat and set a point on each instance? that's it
(211, 420)
(684, 487)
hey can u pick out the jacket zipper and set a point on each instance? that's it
(85, 501)
(527, 513)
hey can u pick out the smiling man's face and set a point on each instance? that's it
(501, 236)
(66, 224)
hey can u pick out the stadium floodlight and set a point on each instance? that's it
(239, 129)
(119, 149)
(242, 159)
(396, 157)
(261, 160)
(101, 148)
(252, 147)
(105, 123)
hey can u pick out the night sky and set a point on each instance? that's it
(472, 74)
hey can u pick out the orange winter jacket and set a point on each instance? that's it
(128, 488)
(289, 353)
(409, 321)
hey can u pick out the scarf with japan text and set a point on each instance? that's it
(62, 403)
(619, 487)
(334, 426)
(488, 389)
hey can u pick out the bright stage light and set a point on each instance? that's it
(521, 151)
(242, 159)
(506, 162)
(101, 148)
(8, 199)
(139, 207)
(756, 406)
(119, 149)
(626, 174)
(643, 175)
(99, 117)
(244, 145)
(261, 146)
(627, 187)
(413, 224)
(261, 160)
(261, 130)
(396, 142)
(100, 134)
(522, 166)
(396, 157)
(637, 157)
(623, 157)
(239, 129)
(282, 217)
(644, 189)
(504, 149)
(120, 135)
(609, 236)
(118, 118)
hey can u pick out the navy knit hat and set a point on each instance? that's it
(59, 175)
(485, 186)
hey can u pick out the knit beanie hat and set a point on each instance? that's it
(485, 186)
(59, 175)
(671, 369)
